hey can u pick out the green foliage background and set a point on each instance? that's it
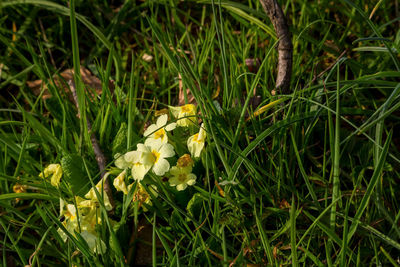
(311, 181)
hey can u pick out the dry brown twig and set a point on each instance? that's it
(285, 47)
(100, 158)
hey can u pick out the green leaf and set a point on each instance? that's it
(12, 196)
(194, 205)
(120, 140)
(75, 174)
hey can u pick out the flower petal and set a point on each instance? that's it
(55, 179)
(195, 147)
(162, 120)
(181, 187)
(150, 130)
(175, 171)
(175, 111)
(120, 162)
(202, 133)
(142, 148)
(153, 144)
(170, 126)
(191, 179)
(147, 158)
(139, 171)
(167, 150)
(161, 167)
(133, 157)
(119, 182)
(173, 181)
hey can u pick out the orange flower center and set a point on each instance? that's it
(182, 177)
(159, 134)
(156, 155)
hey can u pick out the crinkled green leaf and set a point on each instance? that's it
(120, 140)
(75, 174)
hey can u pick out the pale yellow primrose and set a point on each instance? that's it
(182, 113)
(135, 161)
(120, 162)
(91, 195)
(56, 171)
(155, 154)
(181, 178)
(196, 142)
(159, 130)
(89, 217)
(138, 162)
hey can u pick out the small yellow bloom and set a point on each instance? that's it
(89, 217)
(142, 196)
(92, 194)
(89, 213)
(185, 162)
(119, 182)
(159, 130)
(181, 178)
(196, 142)
(135, 161)
(138, 163)
(185, 114)
(120, 161)
(19, 188)
(56, 171)
(155, 154)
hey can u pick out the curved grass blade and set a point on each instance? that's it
(375, 176)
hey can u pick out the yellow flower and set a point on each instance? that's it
(120, 161)
(185, 114)
(185, 162)
(155, 154)
(142, 196)
(56, 171)
(70, 219)
(19, 188)
(89, 217)
(196, 142)
(159, 130)
(89, 213)
(92, 194)
(70, 212)
(119, 182)
(137, 161)
(181, 178)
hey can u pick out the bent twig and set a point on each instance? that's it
(100, 159)
(285, 48)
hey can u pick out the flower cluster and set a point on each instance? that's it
(154, 155)
(84, 216)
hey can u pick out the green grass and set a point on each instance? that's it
(311, 181)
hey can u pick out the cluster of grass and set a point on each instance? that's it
(311, 179)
